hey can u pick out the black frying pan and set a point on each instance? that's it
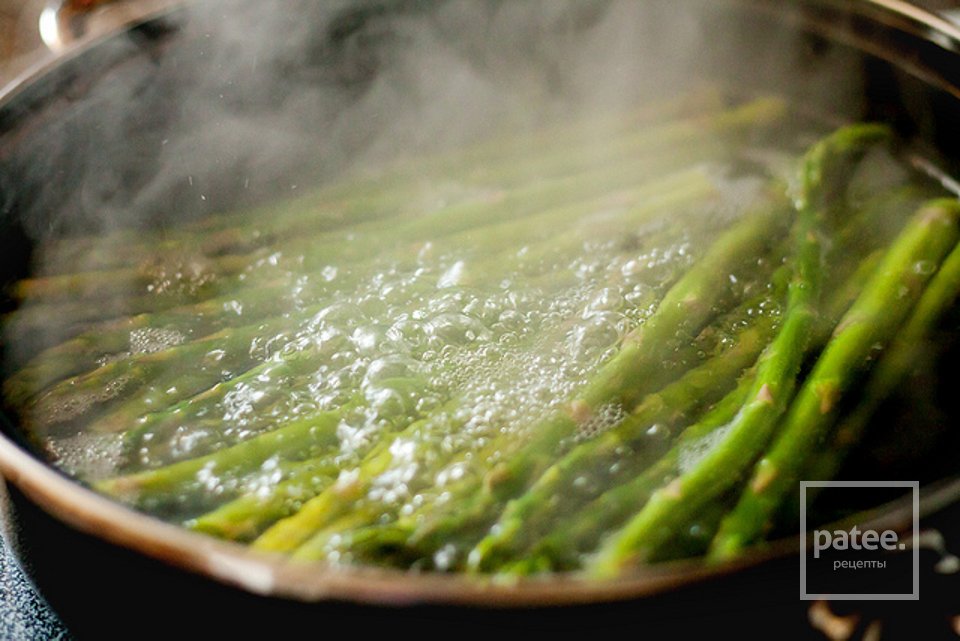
(82, 142)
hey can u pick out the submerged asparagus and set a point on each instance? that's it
(301, 439)
(311, 254)
(243, 516)
(687, 393)
(685, 309)
(693, 298)
(85, 351)
(564, 547)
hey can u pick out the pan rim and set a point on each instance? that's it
(272, 575)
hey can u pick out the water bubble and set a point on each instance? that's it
(214, 356)
(602, 420)
(456, 329)
(391, 366)
(607, 299)
(453, 276)
(149, 340)
(594, 335)
(658, 432)
(89, 456)
(368, 339)
(408, 334)
(924, 267)
(341, 313)
(510, 320)
(328, 273)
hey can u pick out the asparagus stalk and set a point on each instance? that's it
(564, 547)
(475, 505)
(212, 494)
(822, 172)
(682, 188)
(613, 457)
(47, 324)
(937, 299)
(873, 319)
(241, 518)
(686, 308)
(301, 439)
(694, 536)
(160, 392)
(81, 396)
(247, 516)
(379, 192)
(151, 276)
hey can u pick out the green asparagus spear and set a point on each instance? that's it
(873, 319)
(177, 274)
(937, 298)
(299, 440)
(246, 517)
(683, 312)
(242, 516)
(514, 160)
(611, 458)
(564, 547)
(681, 189)
(129, 413)
(822, 174)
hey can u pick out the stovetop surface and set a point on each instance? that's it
(24, 615)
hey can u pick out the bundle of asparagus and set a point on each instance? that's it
(617, 342)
